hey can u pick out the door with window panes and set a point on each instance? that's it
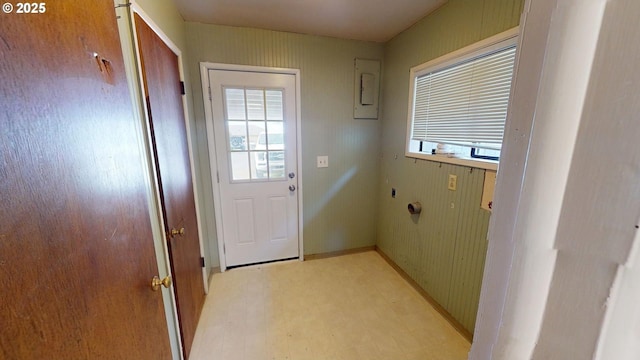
(254, 121)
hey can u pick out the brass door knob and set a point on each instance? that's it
(175, 232)
(156, 282)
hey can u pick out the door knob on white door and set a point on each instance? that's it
(292, 188)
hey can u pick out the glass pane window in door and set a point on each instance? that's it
(255, 104)
(259, 165)
(274, 105)
(276, 165)
(257, 135)
(275, 135)
(255, 124)
(240, 165)
(234, 103)
(237, 135)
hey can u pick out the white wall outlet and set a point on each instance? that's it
(453, 182)
(323, 161)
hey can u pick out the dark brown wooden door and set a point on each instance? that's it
(162, 89)
(76, 246)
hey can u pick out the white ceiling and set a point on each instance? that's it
(369, 20)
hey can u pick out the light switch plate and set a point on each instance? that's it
(323, 161)
(453, 182)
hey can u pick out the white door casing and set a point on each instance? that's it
(253, 129)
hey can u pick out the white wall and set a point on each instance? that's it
(558, 269)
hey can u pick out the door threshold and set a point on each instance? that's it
(263, 263)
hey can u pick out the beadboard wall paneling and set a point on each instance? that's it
(340, 202)
(444, 248)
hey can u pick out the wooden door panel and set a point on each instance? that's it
(164, 98)
(76, 247)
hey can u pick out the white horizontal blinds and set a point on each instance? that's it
(465, 104)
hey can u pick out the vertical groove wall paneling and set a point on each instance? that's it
(340, 202)
(444, 250)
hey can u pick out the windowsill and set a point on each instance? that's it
(463, 161)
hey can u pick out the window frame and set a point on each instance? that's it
(412, 147)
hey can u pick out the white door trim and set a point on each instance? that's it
(208, 109)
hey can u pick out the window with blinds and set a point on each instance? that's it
(462, 102)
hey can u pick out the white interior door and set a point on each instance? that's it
(254, 116)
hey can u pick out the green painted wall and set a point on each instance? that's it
(165, 14)
(340, 202)
(444, 249)
(349, 205)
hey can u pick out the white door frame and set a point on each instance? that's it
(213, 161)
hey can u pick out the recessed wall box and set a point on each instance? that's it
(366, 89)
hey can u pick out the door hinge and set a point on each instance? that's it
(224, 249)
(182, 91)
(201, 261)
(218, 176)
(210, 93)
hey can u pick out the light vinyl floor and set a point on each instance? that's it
(348, 307)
